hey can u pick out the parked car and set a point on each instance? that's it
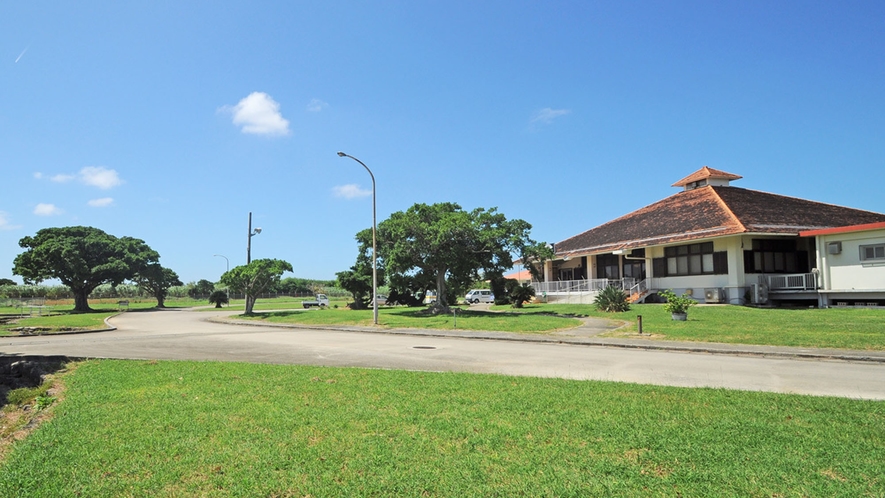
(382, 300)
(479, 296)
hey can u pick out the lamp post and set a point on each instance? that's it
(249, 239)
(227, 261)
(374, 249)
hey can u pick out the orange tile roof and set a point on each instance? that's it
(712, 211)
(705, 173)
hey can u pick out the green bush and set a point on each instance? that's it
(612, 300)
(676, 304)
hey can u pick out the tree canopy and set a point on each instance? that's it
(157, 280)
(255, 278)
(443, 244)
(82, 258)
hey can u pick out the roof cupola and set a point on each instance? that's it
(706, 176)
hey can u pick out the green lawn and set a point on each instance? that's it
(846, 328)
(402, 317)
(128, 428)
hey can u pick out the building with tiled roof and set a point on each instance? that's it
(718, 242)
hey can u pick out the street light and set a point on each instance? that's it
(249, 240)
(374, 250)
(227, 261)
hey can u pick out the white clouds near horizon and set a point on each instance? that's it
(547, 115)
(94, 176)
(316, 105)
(103, 202)
(5, 223)
(43, 209)
(350, 191)
(259, 114)
(100, 177)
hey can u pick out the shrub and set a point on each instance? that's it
(521, 294)
(218, 298)
(677, 304)
(612, 300)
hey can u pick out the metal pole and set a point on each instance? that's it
(374, 248)
(249, 241)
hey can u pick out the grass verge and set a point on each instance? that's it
(227, 429)
(401, 317)
(844, 328)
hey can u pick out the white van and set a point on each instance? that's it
(479, 296)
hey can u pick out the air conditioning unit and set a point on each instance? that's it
(713, 295)
(834, 248)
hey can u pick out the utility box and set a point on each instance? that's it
(713, 295)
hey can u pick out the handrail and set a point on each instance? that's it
(795, 281)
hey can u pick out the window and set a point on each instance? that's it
(775, 256)
(872, 253)
(607, 266)
(691, 259)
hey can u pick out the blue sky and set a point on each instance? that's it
(170, 121)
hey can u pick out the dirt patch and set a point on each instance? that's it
(17, 421)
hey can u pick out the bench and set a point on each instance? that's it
(123, 304)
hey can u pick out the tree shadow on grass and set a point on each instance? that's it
(17, 372)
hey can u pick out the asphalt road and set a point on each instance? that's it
(188, 335)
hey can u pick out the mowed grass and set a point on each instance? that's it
(58, 316)
(844, 328)
(418, 318)
(130, 428)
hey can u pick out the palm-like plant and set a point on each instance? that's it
(522, 294)
(218, 298)
(612, 300)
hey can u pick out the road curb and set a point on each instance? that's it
(638, 344)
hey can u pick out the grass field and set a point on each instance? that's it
(228, 429)
(845, 328)
(402, 317)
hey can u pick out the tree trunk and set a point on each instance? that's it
(442, 305)
(81, 300)
(161, 300)
(250, 303)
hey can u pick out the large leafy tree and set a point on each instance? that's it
(82, 258)
(157, 280)
(451, 247)
(254, 278)
(358, 279)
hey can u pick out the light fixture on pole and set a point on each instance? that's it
(227, 262)
(374, 248)
(252, 233)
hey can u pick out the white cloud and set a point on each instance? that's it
(350, 191)
(98, 176)
(547, 115)
(38, 175)
(5, 224)
(47, 210)
(100, 203)
(316, 105)
(60, 178)
(259, 114)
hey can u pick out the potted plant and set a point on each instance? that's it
(677, 305)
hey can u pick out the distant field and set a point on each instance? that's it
(135, 428)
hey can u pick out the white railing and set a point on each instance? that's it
(591, 285)
(797, 281)
(639, 288)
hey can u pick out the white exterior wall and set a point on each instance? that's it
(733, 283)
(845, 271)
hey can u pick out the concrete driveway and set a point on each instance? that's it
(189, 335)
